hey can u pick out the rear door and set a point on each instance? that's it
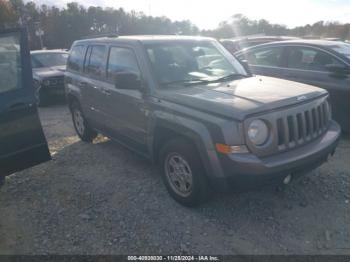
(266, 61)
(22, 141)
(94, 75)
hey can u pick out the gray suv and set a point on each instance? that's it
(188, 105)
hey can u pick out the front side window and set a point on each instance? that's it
(191, 61)
(97, 61)
(121, 60)
(309, 59)
(264, 57)
(49, 60)
(10, 63)
(342, 48)
(76, 58)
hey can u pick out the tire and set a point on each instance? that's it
(83, 130)
(189, 186)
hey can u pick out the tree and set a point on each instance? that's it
(8, 15)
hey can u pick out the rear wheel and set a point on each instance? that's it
(183, 173)
(86, 133)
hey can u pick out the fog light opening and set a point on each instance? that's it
(287, 179)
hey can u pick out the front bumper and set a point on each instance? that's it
(247, 169)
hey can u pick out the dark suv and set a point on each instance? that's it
(187, 104)
(48, 74)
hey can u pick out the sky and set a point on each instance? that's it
(207, 14)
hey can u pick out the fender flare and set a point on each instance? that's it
(194, 131)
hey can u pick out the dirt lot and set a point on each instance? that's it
(103, 199)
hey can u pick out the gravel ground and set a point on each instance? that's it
(103, 199)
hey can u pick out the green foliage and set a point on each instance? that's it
(63, 26)
(240, 25)
(7, 13)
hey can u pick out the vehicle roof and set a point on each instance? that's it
(145, 38)
(248, 38)
(318, 42)
(311, 42)
(48, 51)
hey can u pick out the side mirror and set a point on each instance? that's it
(127, 80)
(338, 69)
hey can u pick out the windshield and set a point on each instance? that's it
(49, 59)
(192, 61)
(342, 48)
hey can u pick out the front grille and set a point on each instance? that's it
(300, 127)
(292, 126)
(56, 81)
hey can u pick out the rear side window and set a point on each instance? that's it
(76, 58)
(121, 60)
(264, 57)
(96, 64)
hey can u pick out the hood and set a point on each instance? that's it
(241, 98)
(46, 72)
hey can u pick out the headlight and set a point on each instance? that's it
(258, 132)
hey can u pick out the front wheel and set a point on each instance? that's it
(183, 173)
(81, 126)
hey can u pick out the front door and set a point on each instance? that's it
(126, 108)
(22, 141)
(308, 65)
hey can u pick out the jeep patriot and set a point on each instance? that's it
(190, 106)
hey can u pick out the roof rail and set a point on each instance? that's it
(100, 35)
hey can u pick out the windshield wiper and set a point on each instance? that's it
(230, 77)
(205, 80)
(187, 82)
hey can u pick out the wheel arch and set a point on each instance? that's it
(71, 98)
(194, 132)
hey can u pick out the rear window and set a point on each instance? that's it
(76, 58)
(96, 65)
